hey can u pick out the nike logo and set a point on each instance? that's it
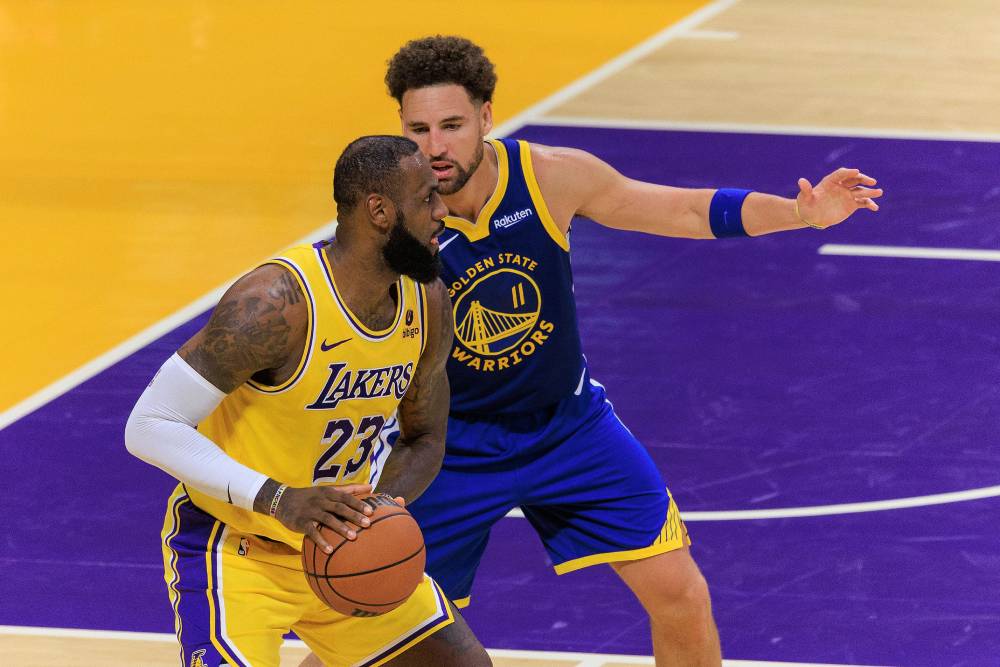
(229, 494)
(326, 348)
(442, 246)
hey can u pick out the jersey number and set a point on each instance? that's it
(340, 432)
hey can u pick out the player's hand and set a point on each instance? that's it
(836, 197)
(337, 507)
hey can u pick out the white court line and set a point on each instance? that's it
(968, 254)
(755, 128)
(133, 344)
(827, 510)
(719, 35)
(583, 659)
(612, 67)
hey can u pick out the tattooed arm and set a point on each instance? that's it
(423, 412)
(258, 330)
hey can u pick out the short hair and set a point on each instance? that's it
(370, 164)
(441, 59)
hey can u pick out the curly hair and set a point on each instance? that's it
(441, 59)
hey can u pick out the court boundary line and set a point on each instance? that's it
(615, 65)
(130, 345)
(830, 510)
(582, 659)
(909, 252)
(760, 128)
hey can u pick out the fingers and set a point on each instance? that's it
(867, 203)
(349, 495)
(356, 489)
(312, 530)
(805, 187)
(400, 501)
(342, 511)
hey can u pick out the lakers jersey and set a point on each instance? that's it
(319, 426)
(517, 347)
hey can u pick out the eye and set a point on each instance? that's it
(418, 130)
(452, 126)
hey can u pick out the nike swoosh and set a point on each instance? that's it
(229, 494)
(326, 348)
(442, 246)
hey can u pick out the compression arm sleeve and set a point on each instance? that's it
(161, 431)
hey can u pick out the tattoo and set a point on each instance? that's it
(254, 328)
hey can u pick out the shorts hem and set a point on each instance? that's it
(616, 556)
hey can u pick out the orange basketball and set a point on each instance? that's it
(375, 573)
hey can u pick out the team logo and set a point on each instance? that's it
(197, 658)
(497, 309)
(492, 319)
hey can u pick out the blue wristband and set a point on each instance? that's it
(725, 213)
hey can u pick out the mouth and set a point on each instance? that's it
(435, 238)
(442, 169)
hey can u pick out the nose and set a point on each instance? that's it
(440, 210)
(435, 143)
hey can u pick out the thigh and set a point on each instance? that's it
(229, 608)
(340, 640)
(457, 512)
(598, 497)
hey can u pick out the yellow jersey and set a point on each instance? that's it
(322, 424)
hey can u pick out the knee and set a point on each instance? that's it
(687, 598)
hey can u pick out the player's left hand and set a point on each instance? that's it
(836, 197)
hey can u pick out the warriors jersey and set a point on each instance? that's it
(516, 347)
(319, 426)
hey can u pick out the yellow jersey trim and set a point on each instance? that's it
(447, 620)
(462, 603)
(215, 631)
(536, 196)
(480, 229)
(357, 324)
(673, 536)
(177, 498)
(297, 273)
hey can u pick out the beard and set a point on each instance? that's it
(405, 254)
(462, 174)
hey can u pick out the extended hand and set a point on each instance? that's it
(836, 197)
(337, 507)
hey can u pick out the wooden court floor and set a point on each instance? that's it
(112, 197)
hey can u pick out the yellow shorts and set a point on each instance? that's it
(234, 597)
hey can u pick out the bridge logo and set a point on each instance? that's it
(497, 312)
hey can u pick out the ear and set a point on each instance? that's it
(381, 212)
(486, 117)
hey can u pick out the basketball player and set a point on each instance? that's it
(528, 427)
(267, 416)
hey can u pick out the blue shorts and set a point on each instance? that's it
(583, 481)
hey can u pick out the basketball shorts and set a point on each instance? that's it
(583, 481)
(235, 596)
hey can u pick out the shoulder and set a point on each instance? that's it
(258, 324)
(439, 322)
(569, 178)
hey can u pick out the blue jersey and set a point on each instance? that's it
(517, 344)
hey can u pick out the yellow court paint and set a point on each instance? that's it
(151, 151)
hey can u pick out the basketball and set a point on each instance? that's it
(373, 574)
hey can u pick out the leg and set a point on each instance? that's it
(675, 595)
(452, 646)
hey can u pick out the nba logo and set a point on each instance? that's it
(409, 317)
(244, 546)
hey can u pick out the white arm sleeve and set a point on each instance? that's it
(161, 431)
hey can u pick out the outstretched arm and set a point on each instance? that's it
(576, 182)
(423, 413)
